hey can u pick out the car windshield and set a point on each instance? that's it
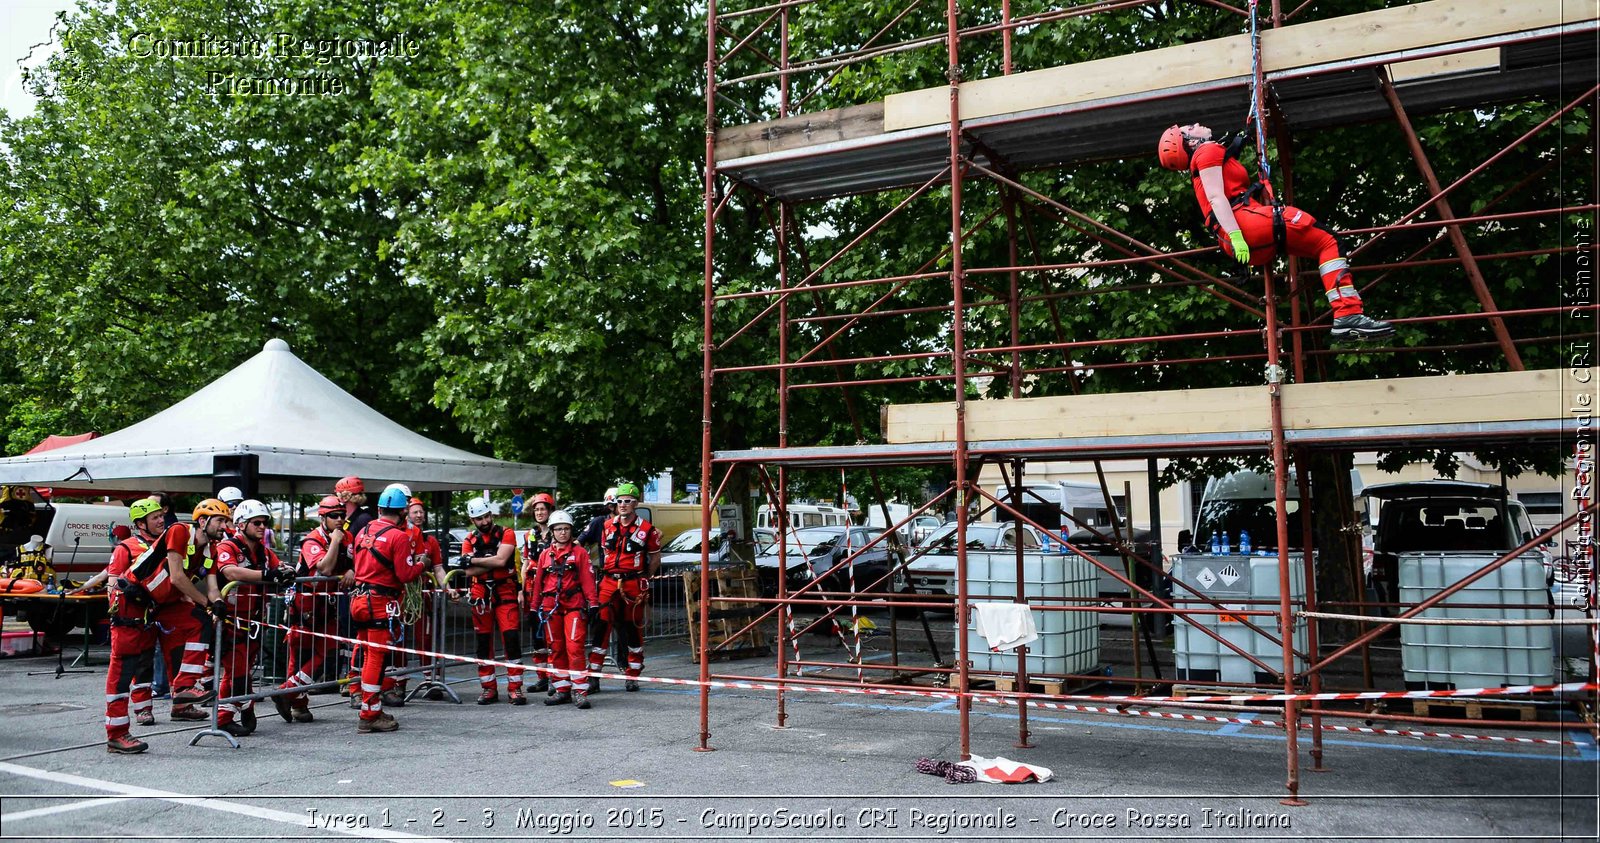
(981, 537)
(815, 536)
(688, 541)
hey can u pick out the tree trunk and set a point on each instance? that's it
(1335, 530)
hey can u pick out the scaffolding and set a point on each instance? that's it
(934, 146)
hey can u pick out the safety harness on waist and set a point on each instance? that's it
(495, 580)
(368, 541)
(1258, 193)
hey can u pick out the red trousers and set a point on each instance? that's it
(494, 609)
(622, 604)
(1305, 239)
(370, 614)
(132, 664)
(568, 633)
(178, 631)
(313, 613)
(235, 664)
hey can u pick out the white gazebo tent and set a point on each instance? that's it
(305, 431)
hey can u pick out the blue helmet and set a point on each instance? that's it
(393, 498)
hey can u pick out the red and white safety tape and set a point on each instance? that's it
(995, 699)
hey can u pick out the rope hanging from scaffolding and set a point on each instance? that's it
(1280, 233)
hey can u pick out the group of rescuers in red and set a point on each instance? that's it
(375, 556)
(164, 589)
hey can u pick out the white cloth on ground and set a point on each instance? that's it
(1005, 771)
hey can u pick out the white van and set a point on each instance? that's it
(79, 535)
(802, 515)
(1044, 503)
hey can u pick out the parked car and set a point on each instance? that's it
(683, 552)
(935, 571)
(923, 527)
(816, 551)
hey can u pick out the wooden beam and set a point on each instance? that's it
(1442, 399)
(1319, 42)
(802, 130)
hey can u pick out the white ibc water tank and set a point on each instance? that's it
(1200, 658)
(1069, 642)
(1438, 657)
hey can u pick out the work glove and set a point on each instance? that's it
(1240, 249)
(592, 613)
(220, 609)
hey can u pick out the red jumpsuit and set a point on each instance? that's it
(426, 546)
(315, 609)
(624, 589)
(180, 624)
(133, 642)
(534, 544)
(1303, 235)
(494, 606)
(383, 565)
(239, 651)
(562, 589)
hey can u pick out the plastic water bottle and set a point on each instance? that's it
(1227, 544)
(1244, 542)
(1216, 544)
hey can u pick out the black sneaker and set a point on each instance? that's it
(631, 685)
(1360, 326)
(236, 729)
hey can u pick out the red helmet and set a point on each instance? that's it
(1173, 150)
(545, 499)
(417, 502)
(352, 484)
(330, 505)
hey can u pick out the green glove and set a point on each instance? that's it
(1241, 249)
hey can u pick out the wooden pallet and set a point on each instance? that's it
(725, 619)
(1470, 709)
(1009, 684)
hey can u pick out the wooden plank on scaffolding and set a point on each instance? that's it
(1374, 33)
(1440, 399)
(802, 130)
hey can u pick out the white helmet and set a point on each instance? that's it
(404, 489)
(560, 516)
(230, 496)
(477, 508)
(248, 510)
(611, 495)
(36, 543)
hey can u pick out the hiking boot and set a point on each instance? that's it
(192, 696)
(236, 729)
(125, 745)
(248, 718)
(594, 684)
(1360, 326)
(581, 699)
(435, 694)
(188, 712)
(516, 698)
(488, 696)
(302, 713)
(381, 723)
(631, 685)
(541, 686)
(355, 701)
(145, 718)
(561, 698)
(394, 698)
(281, 703)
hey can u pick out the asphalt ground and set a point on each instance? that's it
(843, 769)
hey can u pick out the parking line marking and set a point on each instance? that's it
(214, 804)
(60, 809)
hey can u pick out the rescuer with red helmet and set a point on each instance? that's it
(489, 549)
(533, 543)
(631, 548)
(245, 558)
(563, 598)
(384, 564)
(1241, 214)
(324, 552)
